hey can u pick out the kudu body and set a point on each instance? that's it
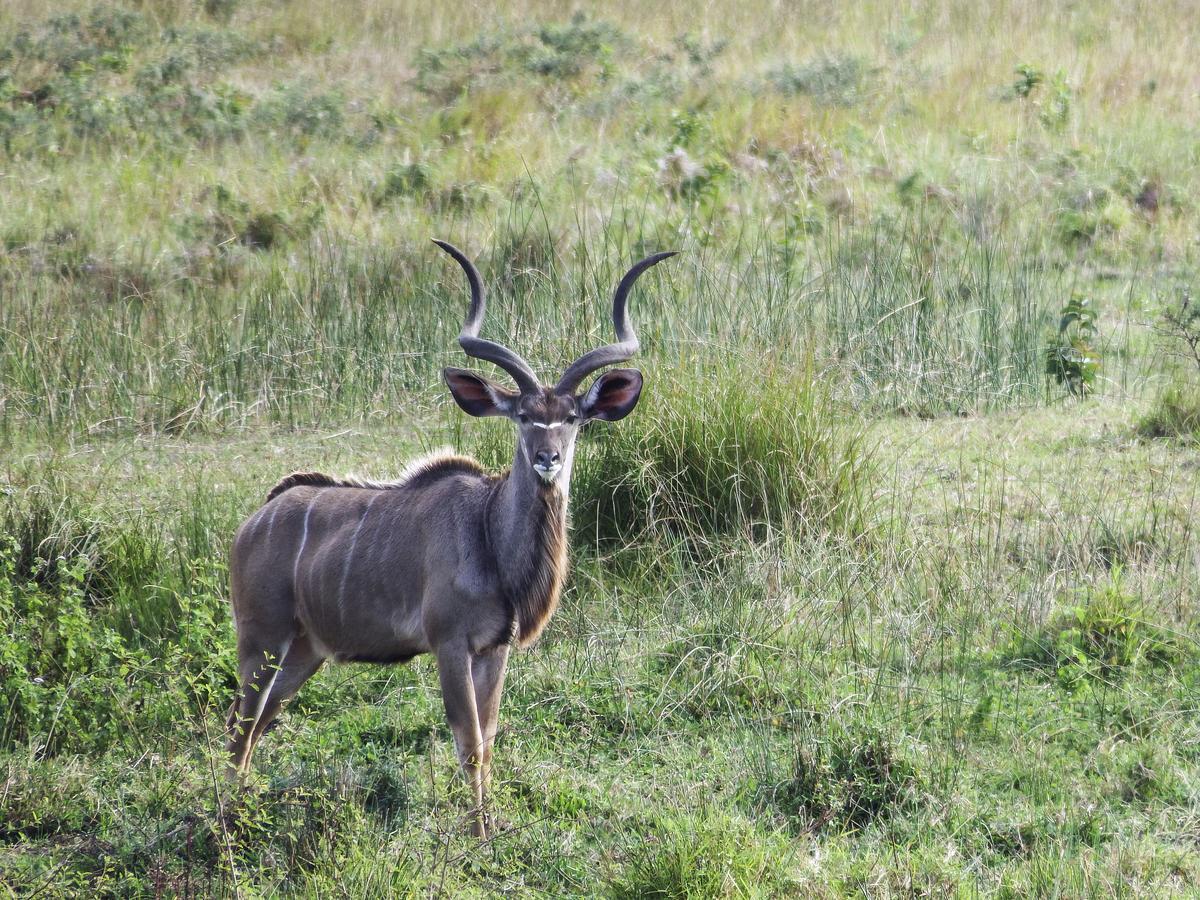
(447, 559)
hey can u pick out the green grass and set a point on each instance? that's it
(1175, 413)
(886, 588)
(945, 700)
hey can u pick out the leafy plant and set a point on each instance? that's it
(700, 53)
(1071, 357)
(1055, 111)
(408, 179)
(234, 221)
(568, 52)
(831, 79)
(1101, 638)
(1179, 330)
(1027, 81)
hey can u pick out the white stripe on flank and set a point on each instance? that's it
(254, 521)
(271, 523)
(350, 557)
(303, 539)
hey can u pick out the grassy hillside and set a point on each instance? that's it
(889, 585)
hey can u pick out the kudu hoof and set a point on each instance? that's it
(486, 826)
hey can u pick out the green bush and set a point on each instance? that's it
(113, 75)
(555, 52)
(1071, 357)
(300, 111)
(847, 777)
(1175, 414)
(718, 455)
(1100, 639)
(833, 79)
(409, 179)
(84, 604)
(231, 221)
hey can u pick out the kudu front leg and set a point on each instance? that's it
(458, 696)
(487, 672)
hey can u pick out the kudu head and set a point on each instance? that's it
(548, 418)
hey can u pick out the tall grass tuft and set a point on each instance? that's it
(699, 856)
(844, 774)
(723, 453)
(1174, 414)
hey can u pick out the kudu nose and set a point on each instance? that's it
(545, 459)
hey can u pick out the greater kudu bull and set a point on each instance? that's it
(447, 559)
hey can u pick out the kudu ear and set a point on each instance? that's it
(477, 396)
(613, 395)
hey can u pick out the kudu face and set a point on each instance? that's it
(548, 419)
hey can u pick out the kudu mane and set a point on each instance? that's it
(429, 468)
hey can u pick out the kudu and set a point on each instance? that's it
(447, 559)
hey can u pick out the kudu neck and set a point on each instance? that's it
(522, 504)
(527, 525)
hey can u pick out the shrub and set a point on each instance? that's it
(301, 111)
(1094, 215)
(233, 220)
(567, 50)
(1179, 331)
(1071, 358)
(721, 454)
(1027, 80)
(103, 39)
(86, 603)
(852, 775)
(832, 80)
(72, 683)
(686, 179)
(555, 52)
(1175, 414)
(1056, 110)
(221, 10)
(75, 79)
(409, 179)
(1100, 639)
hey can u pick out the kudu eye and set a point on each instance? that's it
(522, 418)
(571, 419)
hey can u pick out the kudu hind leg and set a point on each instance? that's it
(299, 665)
(258, 667)
(458, 696)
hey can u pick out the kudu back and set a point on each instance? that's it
(447, 559)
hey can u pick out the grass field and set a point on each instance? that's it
(887, 588)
